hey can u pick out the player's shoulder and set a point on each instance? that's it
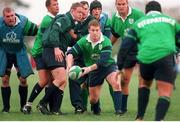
(106, 41)
(21, 17)
(136, 11)
(46, 20)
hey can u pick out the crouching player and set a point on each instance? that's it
(96, 50)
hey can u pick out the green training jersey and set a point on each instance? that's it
(57, 35)
(99, 52)
(37, 48)
(156, 36)
(119, 25)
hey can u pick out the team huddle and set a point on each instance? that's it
(83, 38)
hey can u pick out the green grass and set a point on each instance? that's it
(106, 105)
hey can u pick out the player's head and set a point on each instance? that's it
(96, 9)
(85, 9)
(9, 16)
(94, 30)
(153, 6)
(77, 11)
(52, 6)
(122, 6)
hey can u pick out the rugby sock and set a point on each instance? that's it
(117, 98)
(124, 103)
(35, 92)
(6, 93)
(57, 98)
(143, 99)
(162, 108)
(50, 101)
(48, 94)
(84, 96)
(23, 91)
(95, 107)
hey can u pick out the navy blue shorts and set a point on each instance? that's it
(11, 60)
(98, 76)
(40, 64)
(130, 61)
(49, 59)
(163, 70)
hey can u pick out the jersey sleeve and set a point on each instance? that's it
(177, 26)
(113, 32)
(30, 28)
(60, 26)
(106, 54)
(76, 50)
(129, 41)
(107, 28)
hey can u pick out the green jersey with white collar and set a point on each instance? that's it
(119, 25)
(99, 52)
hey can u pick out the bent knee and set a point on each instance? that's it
(5, 81)
(23, 81)
(116, 86)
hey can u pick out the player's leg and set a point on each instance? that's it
(143, 98)
(5, 88)
(127, 73)
(6, 91)
(58, 85)
(113, 79)
(43, 80)
(84, 94)
(147, 73)
(75, 94)
(59, 75)
(75, 90)
(23, 90)
(94, 94)
(164, 91)
(58, 95)
(165, 75)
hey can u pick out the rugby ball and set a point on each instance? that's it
(75, 72)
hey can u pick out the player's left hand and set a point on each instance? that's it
(85, 70)
(59, 55)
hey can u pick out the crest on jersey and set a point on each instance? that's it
(131, 20)
(100, 46)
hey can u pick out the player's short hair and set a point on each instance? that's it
(126, 1)
(95, 4)
(48, 2)
(153, 6)
(84, 3)
(94, 22)
(75, 5)
(7, 10)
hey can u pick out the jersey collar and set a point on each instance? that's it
(153, 12)
(129, 13)
(95, 43)
(17, 21)
(51, 15)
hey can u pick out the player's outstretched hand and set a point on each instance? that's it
(85, 70)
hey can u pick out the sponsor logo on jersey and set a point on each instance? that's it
(11, 38)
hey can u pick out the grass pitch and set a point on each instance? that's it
(106, 105)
